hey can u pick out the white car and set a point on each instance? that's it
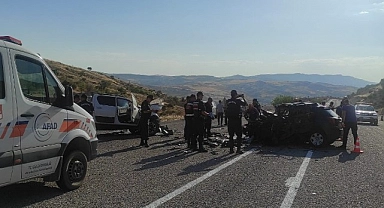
(115, 112)
(366, 113)
(119, 113)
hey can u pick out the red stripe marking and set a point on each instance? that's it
(4, 132)
(18, 130)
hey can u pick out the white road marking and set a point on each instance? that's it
(294, 182)
(196, 181)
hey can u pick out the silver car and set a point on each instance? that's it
(366, 113)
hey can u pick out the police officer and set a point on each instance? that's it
(198, 122)
(76, 99)
(189, 119)
(208, 119)
(144, 118)
(234, 120)
(256, 104)
(185, 113)
(85, 104)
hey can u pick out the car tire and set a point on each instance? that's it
(153, 128)
(318, 138)
(73, 171)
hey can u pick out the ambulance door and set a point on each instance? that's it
(135, 109)
(7, 145)
(39, 116)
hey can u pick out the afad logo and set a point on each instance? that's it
(44, 127)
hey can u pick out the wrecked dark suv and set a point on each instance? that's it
(298, 122)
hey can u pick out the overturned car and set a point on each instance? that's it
(296, 122)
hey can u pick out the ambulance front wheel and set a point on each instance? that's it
(73, 171)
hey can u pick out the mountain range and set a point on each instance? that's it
(263, 87)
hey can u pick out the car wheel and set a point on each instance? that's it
(317, 139)
(153, 128)
(73, 171)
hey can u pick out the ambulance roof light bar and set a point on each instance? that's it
(11, 40)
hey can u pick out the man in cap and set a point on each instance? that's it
(234, 115)
(198, 120)
(144, 118)
(349, 122)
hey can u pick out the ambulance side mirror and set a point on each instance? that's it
(68, 96)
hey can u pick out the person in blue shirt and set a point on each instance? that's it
(349, 122)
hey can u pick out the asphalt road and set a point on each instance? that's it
(165, 175)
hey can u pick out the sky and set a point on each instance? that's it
(204, 37)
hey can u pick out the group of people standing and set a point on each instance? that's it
(198, 119)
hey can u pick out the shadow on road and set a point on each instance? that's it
(347, 156)
(164, 159)
(107, 137)
(110, 154)
(206, 165)
(26, 194)
(293, 151)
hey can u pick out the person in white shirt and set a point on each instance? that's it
(220, 113)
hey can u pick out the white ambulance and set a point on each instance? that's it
(42, 133)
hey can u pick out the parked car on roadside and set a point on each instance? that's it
(366, 113)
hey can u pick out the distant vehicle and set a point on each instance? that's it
(298, 122)
(120, 113)
(366, 113)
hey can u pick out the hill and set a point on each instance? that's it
(328, 79)
(219, 87)
(371, 94)
(90, 82)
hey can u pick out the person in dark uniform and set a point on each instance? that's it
(208, 119)
(144, 118)
(76, 99)
(225, 109)
(198, 122)
(185, 113)
(234, 120)
(189, 120)
(86, 105)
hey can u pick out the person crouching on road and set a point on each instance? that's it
(349, 122)
(198, 120)
(144, 118)
(234, 120)
(189, 120)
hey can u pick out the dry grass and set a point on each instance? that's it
(90, 82)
